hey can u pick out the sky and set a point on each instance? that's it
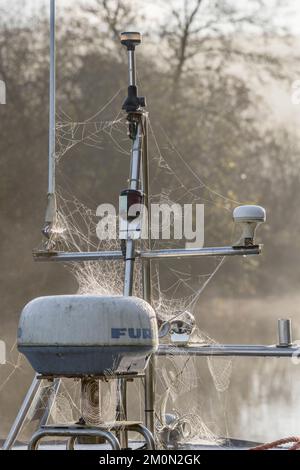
(289, 15)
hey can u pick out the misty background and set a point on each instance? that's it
(218, 79)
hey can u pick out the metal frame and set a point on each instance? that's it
(104, 431)
(72, 432)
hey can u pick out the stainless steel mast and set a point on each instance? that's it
(136, 118)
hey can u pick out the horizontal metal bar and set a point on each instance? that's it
(77, 256)
(173, 253)
(228, 350)
(106, 377)
(213, 251)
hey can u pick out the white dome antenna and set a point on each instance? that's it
(248, 217)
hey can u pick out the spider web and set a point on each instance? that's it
(89, 133)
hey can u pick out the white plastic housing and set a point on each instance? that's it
(86, 334)
(249, 217)
(249, 214)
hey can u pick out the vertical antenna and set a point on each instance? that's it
(51, 203)
(51, 180)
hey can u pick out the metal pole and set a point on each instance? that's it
(131, 105)
(77, 256)
(51, 199)
(52, 122)
(21, 416)
(122, 435)
(228, 350)
(136, 155)
(206, 251)
(149, 254)
(129, 265)
(131, 68)
(147, 293)
(284, 332)
(134, 179)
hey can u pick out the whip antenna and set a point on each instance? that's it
(51, 203)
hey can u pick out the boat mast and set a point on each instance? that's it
(136, 118)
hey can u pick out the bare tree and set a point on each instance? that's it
(197, 27)
(179, 33)
(115, 14)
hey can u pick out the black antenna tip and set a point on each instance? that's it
(130, 39)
